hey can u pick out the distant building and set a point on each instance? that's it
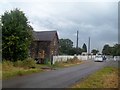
(44, 45)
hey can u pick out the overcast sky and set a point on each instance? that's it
(95, 19)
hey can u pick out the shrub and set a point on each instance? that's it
(29, 63)
(75, 58)
(18, 63)
(7, 65)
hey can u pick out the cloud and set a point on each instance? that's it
(97, 20)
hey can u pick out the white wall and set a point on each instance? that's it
(80, 57)
(66, 57)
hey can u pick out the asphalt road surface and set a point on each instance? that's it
(60, 78)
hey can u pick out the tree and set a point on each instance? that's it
(116, 50)
(94, 51)
(16, 35)
(107, 50)
(72, 51)
(0, 39)
(65, 45)
(84, 48)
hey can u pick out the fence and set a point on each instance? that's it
(116, 58)
(67, 57)
(81, 57)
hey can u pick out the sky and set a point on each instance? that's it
(97, 19)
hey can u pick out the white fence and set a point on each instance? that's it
(116, 58)
(65, 58)
(81, 57)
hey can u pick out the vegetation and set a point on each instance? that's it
(94, 51)
(73, 51)
(66, 47)
(28, 66)
(16, 35)
(116, 50)
(0, 40)
(84, 48)
(18, 68)
(69, 62)
(108, 50)
(0, 70)
(105, 78)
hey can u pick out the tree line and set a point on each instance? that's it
(66, 47)
(111, 50)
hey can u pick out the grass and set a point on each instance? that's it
(19, 68)
(28, 66)
(105, 78)
(0, 70)
(65, 64)
(68, 63)
(18, 72)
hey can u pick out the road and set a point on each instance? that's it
(60, 78)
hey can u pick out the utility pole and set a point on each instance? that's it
(88, 47)
(77, 44)
(119, 26)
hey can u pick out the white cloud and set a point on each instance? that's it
(97, 20)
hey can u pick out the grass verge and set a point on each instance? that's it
(18, 72)
(18, 68)
(65, 64)
(105, 78)
(28, 66)
(70, 62)
(0, 70)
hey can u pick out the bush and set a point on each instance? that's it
(18, 63)
(75, 58)
(27, 63)
(7, 65)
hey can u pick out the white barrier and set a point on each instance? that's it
(80, 57)
(67, 57)
(115, 58)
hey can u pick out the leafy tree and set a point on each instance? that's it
(107, 50)
(84, 48)
(16, 35)
(65, 45)
(116, 50)
(72, 51)
(94, 51)
(0, 40)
